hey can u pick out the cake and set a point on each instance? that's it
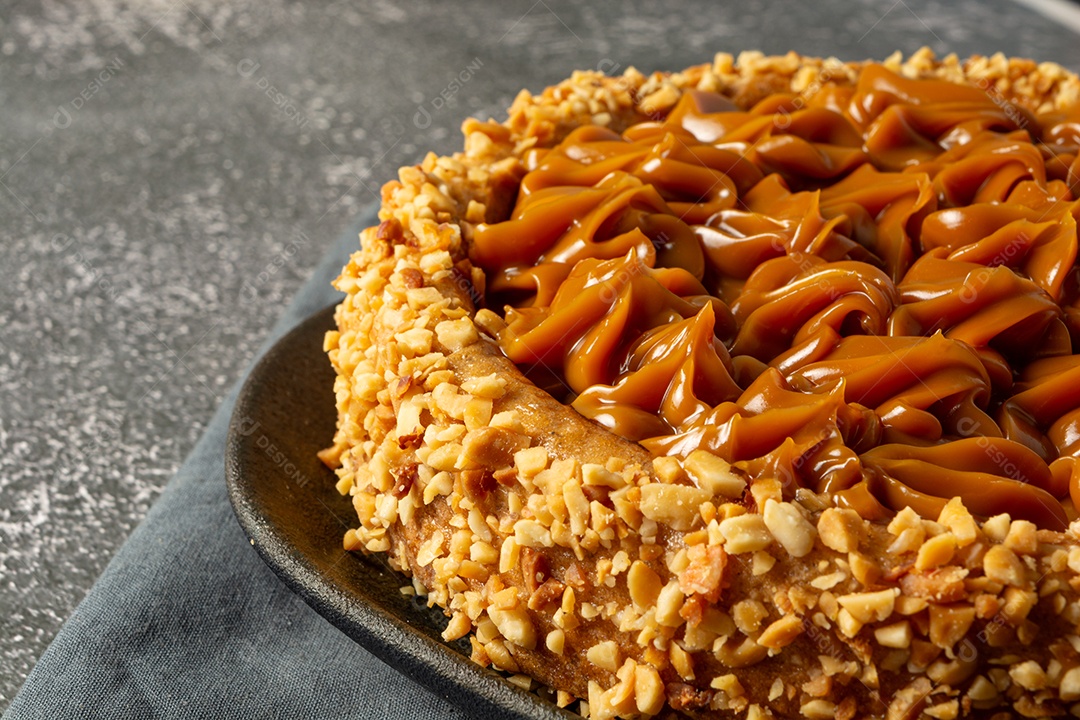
(750, 390)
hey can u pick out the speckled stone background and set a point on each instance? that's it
(170, 170)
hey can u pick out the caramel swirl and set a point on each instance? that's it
(807, 439)
(921, 388)
(869, 290)
(1044, 411)
(977, 305)
(669, 378)
(789, 299)
(600, 306)
(1034, 234)
(989, 473)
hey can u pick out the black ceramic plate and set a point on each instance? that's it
(285, 500)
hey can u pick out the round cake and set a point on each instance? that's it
(749, 390)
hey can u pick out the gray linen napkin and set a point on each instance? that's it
(187, 621)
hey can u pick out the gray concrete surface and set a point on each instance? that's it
(170, 170)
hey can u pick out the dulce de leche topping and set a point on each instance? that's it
(870, 291)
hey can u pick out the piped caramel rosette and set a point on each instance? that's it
(790, 299)
(980, 306)
(750, 390)
(667, 380)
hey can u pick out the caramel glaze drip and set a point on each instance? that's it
(870, 291)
